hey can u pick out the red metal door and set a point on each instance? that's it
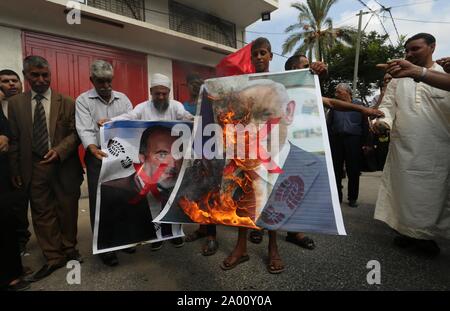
(180, 70)
(70, 60)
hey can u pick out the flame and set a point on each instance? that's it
(219, 206)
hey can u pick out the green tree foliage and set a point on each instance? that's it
(374, 50)
(314, 31)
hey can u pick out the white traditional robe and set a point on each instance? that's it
(146, 111)
(414, 197)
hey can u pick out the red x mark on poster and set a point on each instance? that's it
(150, 182)
(262, 153)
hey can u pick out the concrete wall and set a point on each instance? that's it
(161, 65)
(156, 12)
(11, 49)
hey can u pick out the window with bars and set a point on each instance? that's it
(192, 22)
(130, 8)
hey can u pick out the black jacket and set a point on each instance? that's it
(5, 185)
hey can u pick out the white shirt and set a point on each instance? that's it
(5, 108)
(414, 194)
(264, 184)
(46, 103)
(90, 108)
(147, 111)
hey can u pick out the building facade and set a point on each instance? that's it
(139, 37)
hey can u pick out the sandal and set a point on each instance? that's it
(271, 267)
(197, 234)
(210, 247)
(236, 261)
(256, 236)
(305, 242)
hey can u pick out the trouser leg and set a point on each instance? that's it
(10, 260)
(93, 167)
(337, 151)
(352, 164)
(44, 206)
(67, 210)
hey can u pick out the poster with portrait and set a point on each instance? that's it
(260, 158)
(136, 179)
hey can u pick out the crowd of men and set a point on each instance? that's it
(41, 129)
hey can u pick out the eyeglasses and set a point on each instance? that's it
(44, 75)
(9, 81)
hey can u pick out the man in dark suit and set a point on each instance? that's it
(348, 133)
(127, 203)
(11, 268)
(10, 85)
(44, 163)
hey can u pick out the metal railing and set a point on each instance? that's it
(130, 8)
(181, 18)
(196, 23)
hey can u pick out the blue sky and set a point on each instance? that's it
(344, 13)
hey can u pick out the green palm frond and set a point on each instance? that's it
(314, 30)
(292, 41)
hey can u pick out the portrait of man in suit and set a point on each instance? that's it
(128, 205)
(286, 187)
(299, 197)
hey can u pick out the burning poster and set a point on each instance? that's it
(135, 182)
(260, 157)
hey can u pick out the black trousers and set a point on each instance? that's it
(93, 167)
(10, 260)
(347, 149)
(210, 230)
(17, 202)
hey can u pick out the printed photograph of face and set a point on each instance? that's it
(305, 130)
(135, 182)
(266, 102)
(155, 151)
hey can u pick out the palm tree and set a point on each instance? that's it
(316, 30)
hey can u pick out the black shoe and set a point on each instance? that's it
(404, 241)
(45, 271)
(19, 286)
(428, 248)
(177, 242)
(156, 246)
(109, 259)
(74, 255)
(353, 203)
(129, 250)
(23, 250)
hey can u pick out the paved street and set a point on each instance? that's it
(337, 263)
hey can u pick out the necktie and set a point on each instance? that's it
(40, 132)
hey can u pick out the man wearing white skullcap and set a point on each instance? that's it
(160, 80)
(160, 107)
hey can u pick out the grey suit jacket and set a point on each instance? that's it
(63, 136)
(301, 198)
